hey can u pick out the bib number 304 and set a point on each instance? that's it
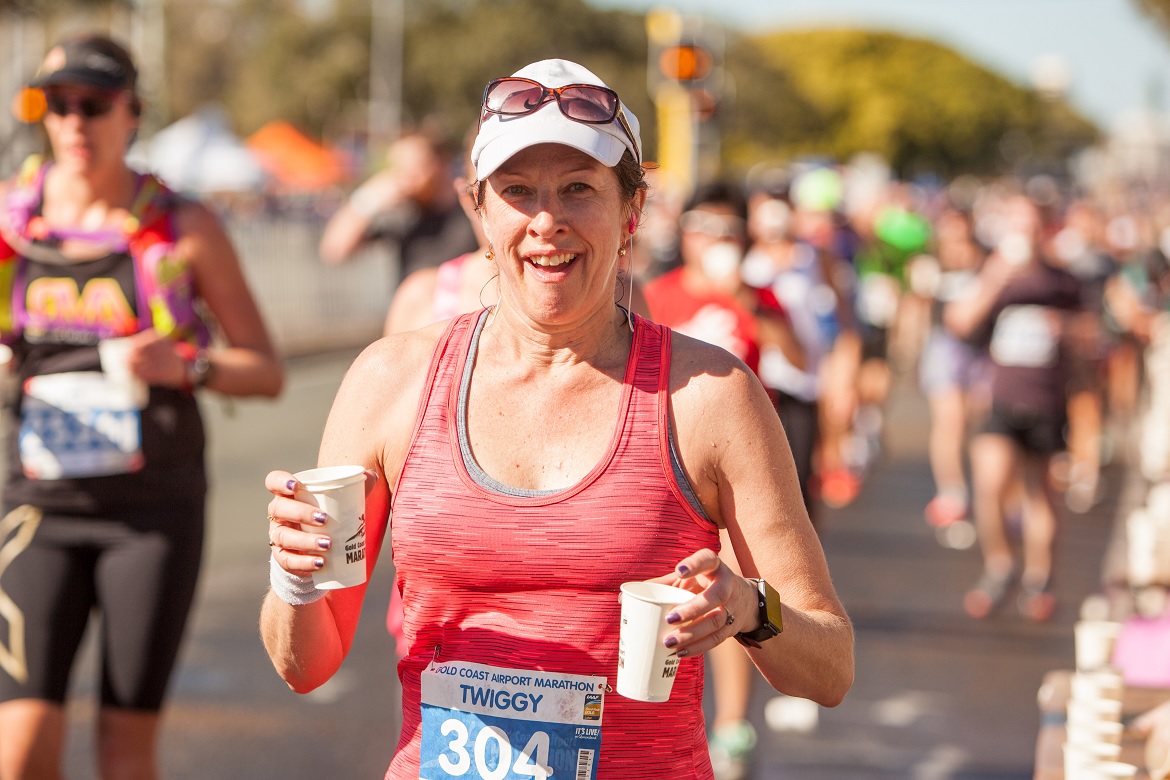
(488, 723)
(491, 753)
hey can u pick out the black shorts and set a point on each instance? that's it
(137, 574)
(1033, 433)
(802, 427)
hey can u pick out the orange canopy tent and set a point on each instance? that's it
(293, 160)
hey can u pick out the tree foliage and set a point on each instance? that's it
(825, 92)
(924, 107)
(1159, 10)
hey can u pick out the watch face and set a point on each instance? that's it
(773, 601)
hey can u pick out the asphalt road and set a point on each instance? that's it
(937, 695)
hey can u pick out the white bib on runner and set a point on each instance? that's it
(489, 723)
(1025, 336)
(79, 424)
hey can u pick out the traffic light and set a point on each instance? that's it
(686, 63)
(684, 51)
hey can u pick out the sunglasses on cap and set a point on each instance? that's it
(87, 106)
(586, 103)
(713, 225)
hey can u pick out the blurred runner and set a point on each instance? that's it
(949, 368)
(707, 298)
(1021, 309)
(106, 484)
(410, 204)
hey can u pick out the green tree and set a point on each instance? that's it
(1159, 10)
(922, 106)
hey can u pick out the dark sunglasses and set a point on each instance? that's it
(585, 103)
(88, 106)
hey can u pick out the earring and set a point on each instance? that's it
(490, 254)
(622, 251)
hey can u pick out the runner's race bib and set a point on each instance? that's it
(79, 424)
(1025, 336)
(490, 723)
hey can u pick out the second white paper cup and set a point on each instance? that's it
(646, 667)
(340, 492)
(1093, 643)
(114, 355)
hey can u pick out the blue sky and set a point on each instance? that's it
(1115, 57)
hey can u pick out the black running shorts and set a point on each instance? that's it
(136, 574)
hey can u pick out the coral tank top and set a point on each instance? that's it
(506, 589)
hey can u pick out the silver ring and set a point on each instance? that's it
(730, 618)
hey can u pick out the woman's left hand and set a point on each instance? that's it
(725, 605)
(156, 360)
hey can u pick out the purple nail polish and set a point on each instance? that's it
(683, 570)
(673, 618)
(683, 653)
(318, 563)
(670, 641)
(291, 485)
(324, 542)
(320, 518)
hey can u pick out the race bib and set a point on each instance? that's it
(877, 300)
(490, 723)
(79, 425)
(1025, 336)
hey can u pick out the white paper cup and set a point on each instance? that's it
(1090, 686)
(1111, 770)
(114, 355)
(1102, 732)
(646, 667)
(1147, 548)
(1092, 752)
(1090, 713)
(1093, 643)
(340, 492)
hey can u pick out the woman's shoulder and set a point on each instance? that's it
(396, 363)
(703, 374)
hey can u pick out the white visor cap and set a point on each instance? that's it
(501, 136)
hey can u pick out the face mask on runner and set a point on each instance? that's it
(1015, 248)
(721, 260)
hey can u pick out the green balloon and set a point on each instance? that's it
(901, 229)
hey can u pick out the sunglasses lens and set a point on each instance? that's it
(588, 104)
(56, 104)
(89, 106)
(513, 97)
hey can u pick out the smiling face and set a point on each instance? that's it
(556, 219)
(88, 143)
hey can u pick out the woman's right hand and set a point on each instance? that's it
(296, 550)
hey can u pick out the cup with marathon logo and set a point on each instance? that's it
(646, 667)
(340, 492)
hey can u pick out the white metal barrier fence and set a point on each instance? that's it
(307, 305)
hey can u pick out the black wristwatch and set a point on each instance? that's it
(771, 622)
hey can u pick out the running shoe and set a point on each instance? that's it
(732, 748)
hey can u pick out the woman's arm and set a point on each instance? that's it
(369, 425)
(248, 365)
(966, 315)
(737, 458)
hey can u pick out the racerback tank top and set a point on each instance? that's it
(530, 580)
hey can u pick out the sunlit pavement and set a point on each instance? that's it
(937, 695)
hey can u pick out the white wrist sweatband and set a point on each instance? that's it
(291, 588)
